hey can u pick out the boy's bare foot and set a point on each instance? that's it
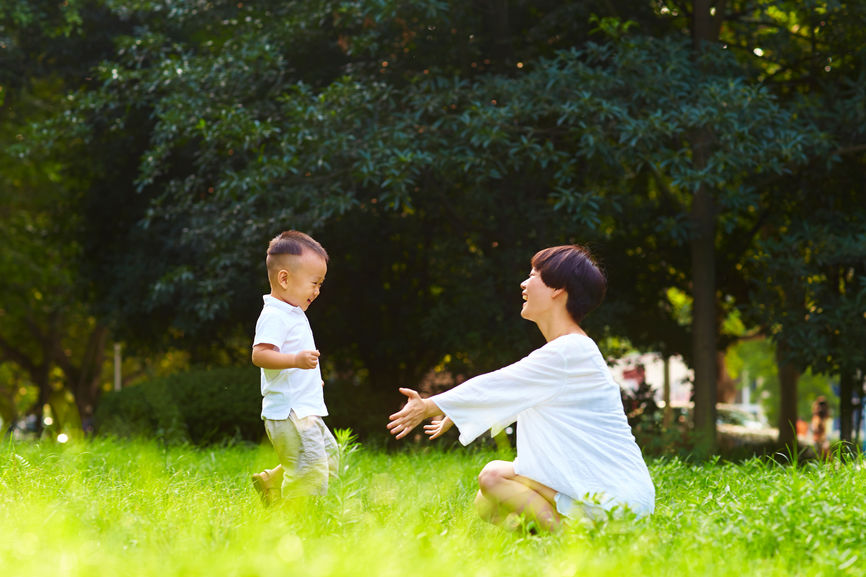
(268, 483)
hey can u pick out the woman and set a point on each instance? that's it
(820, 414)
(576, 456)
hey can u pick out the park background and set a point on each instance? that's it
(711, 154)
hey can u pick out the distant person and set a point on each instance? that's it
(820, 414)
(576, 456)
(292, 398)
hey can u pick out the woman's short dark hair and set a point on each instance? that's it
(571, 267)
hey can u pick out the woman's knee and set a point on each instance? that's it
(494, 473)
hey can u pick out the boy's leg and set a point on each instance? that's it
(503, 492)
(313, 464)
(332, 450)
(287, 443)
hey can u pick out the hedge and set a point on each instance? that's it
(200, 406)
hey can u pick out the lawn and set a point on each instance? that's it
(110, 507)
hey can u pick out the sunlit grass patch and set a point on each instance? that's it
(108, 507)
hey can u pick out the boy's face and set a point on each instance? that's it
(301, 280)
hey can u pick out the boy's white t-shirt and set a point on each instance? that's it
(572, 432)
(283, 391)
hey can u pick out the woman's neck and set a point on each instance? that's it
(558, 326)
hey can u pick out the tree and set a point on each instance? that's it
(812, 55)
(44, 319)
(48, 330)
(814, 292)
(789, 48)
(460, 138)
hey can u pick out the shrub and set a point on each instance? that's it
(200, 406)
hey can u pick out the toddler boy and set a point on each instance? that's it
(292, 401)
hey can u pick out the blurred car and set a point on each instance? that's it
(736, 425)
(743, 425)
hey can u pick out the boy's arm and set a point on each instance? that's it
(267, 356)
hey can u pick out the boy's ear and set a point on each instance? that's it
(557, 292)
(283, 277)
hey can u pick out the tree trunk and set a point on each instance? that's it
(788, 379)
(726, 386)
(500, 33)
(8, 414)
(83, 380)
(42, 382)
(704, 324)
(846, 412)
(37, 366)
(89, 387)
(857, 417)
(705, 31)
(42, 374)
(707, 19)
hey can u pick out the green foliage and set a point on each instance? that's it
(242, 142)
(145, 410)
(433, 147)
(47, 50)
(822, 262)
(200, 406)
(140, 508)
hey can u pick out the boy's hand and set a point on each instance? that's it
(437, 427)
(307, 359)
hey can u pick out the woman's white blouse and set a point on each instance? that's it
(572, 432)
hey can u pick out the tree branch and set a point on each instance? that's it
(849, 150)
(11, 353)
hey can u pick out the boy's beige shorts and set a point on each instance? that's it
(308, 452)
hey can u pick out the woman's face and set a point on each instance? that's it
(537, 297)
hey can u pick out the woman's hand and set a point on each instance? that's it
(438, 427)
(414, 412)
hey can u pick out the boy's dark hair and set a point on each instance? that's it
(571, 267)
(293, 242)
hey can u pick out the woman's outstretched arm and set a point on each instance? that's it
(414, 412)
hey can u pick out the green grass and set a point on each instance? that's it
(108, 507)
